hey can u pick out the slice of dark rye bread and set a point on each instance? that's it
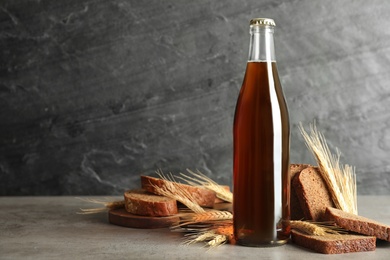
(143, 203)
(295, 207)
(358, 224)
(123, 218)
(334, 244)
(312, 193)
(202, 196)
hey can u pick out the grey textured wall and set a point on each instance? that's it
(94, 93)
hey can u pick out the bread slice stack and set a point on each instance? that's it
(145, 208)
(315, 204)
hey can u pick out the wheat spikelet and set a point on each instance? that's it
(211, 238)
(107, 206)
(201, 179)
(316, 229)
(218, 240)
(341, 181)
(206, 218)
(212, 215)
(171, 189)
(203, 236)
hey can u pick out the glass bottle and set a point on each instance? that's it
(261, 133)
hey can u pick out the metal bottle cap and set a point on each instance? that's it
(262, 21)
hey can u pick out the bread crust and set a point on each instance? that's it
(334, 244)
(358, 224)
(312, 193)
(295, 207)
(140, 202)
(202, 196)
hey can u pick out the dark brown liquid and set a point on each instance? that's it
(261, 159)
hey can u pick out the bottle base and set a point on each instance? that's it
(261, 244)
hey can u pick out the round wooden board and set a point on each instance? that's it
(123, 218)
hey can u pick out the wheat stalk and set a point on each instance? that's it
(204, 181)
(171, 189)
(341, 181)
(107, 206)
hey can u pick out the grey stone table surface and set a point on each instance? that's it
(49, 228)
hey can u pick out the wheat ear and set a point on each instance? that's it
(217, 241)
(211, 238)
(211, 216)
(316, 229)
(201, 179)
(216, 234)
(341, 181)
(171, 189)
(202, 236)
(107, 206)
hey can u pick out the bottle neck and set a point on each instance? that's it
(261, 46)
